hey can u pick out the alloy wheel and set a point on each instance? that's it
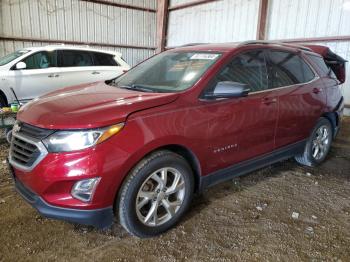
(160, 196)
(321, 142)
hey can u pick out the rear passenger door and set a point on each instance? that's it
(330, 81)
(300, 94)
(241, 128)
(77, 67)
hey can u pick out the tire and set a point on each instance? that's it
(3, 102)
(321, 138)
(145, 187)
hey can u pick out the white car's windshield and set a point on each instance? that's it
(10, 57)
(168, 72)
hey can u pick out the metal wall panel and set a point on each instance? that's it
(1, 20)
(313, 18)
(179, 2)
(290, 19)
(143, 3)
(75, 20)
(219, 21)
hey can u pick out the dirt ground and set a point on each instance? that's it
(247, 219)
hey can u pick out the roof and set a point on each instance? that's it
(224, 47)
(69, 47)
(228, 47)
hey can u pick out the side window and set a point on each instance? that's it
(287, 69)
(40, 60)
(74, 58)
(101, 59)
(308, 73)
(248, 68)
(321, 65)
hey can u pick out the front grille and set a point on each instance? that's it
(23, 152)
(35, 132)
(27, 150)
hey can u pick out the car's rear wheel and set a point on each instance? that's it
(318, 144)
(156, 194)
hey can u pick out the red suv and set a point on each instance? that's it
(141, 145)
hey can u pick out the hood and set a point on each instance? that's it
(89, 106)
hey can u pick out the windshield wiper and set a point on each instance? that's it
(137, 88)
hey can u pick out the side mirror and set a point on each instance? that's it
(228, 89)
(21, 65)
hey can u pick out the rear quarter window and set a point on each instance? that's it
(102, 59)
(320, 64)
(287, 69)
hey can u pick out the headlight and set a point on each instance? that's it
(67, 141)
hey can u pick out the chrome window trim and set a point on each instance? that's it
(42, 149)
(282, 87)
(316, 76)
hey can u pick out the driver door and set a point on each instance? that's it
(40, 76)
(242, 128)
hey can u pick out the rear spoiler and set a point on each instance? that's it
(334, 61)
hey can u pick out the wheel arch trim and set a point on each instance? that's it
(179, 148)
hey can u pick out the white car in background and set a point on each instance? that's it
(35, 71)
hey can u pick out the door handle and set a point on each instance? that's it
(53, 75)
(317, 90)
(268, 101)
(95, 73)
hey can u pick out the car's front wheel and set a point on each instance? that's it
(2, 101)
(318, 144)
(156, 194)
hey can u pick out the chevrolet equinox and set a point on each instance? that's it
(138, 147)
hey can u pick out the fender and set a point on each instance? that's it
(151, 147)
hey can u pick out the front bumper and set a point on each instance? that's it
(99, 218)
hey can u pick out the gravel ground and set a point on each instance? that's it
(249, 219)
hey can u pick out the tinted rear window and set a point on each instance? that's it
(101, 59)
(288, 69)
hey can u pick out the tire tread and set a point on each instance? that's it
(122, 210)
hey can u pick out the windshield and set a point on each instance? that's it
(168, 72)
(10, 57)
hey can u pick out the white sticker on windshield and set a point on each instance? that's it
(204, 56)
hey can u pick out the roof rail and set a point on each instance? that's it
(264, 42)
(192, 44)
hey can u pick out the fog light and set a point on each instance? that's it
(84, 189)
